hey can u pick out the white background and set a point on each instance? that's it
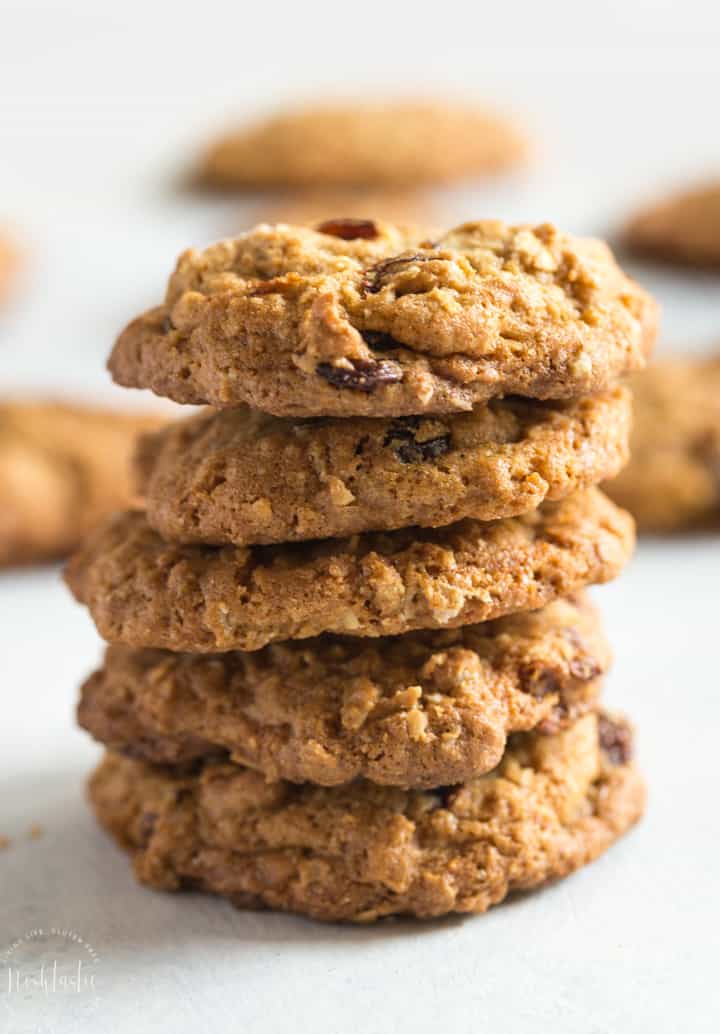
(101, 109)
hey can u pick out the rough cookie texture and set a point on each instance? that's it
(362, 851)
(425, 709)
(673, 481)
(239, 476)
(62, 468)
(142, 591)
(298, 322)
(683, 228)
(392, 145)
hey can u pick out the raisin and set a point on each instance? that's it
(360, 447)
(373, 278)
(402, 438)
(363, 375)
(616, 740)
(585, 669)
(582, 667)
(379, 341)
(349, 229)
(539, 682)
(443, 795)
(167, 325)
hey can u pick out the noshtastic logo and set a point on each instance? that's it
(46, 961)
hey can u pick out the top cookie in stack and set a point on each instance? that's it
(409, 437)
(361, 319)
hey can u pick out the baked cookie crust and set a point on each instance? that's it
(361, 851)
(239, 476)
(381, 321)
(142, 591)
(425, 709)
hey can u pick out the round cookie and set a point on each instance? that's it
(673, 480)
(142, 591)
(62, 468)
(385, 145)
(424, 709)
(375, 320)
(683, 228)
(239, 476)
(361, 851)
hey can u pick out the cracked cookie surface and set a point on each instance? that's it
(673, 479)
(62, 468)
(142, 591)
(361, 851)
(239, 476)
(388, 145)
(424, 709)
(381, 321)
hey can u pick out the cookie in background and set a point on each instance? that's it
(349, 208)
(673, 480)
(683, 228)
(9, 264)
(354, 144)
(62, 468)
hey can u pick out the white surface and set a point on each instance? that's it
(99, 109)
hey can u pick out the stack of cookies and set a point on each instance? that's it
(353, 670)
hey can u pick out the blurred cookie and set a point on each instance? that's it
(344, 207)
(8, 265)
(376, 320)
(423, 709)
(673, 479)
(62, 468)
(143, 591)
(396, 144)
(684, 228)
(362, 851)
(239, 476)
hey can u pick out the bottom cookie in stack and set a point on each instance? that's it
(279, 778)
(361, 851)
